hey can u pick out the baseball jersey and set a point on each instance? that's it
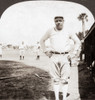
(62, 41)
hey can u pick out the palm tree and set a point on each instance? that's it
(83, 17)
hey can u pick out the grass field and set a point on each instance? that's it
(19, 81)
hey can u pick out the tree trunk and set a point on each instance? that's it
(83, 28)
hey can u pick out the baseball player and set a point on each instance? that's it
(22, 51)
(59, 54)
(1, 50)
(37, 51)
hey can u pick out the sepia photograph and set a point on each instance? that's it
(47, 50)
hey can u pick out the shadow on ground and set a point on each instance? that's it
(19, 82)
(86, 83)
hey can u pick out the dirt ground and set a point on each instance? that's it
(19, 81)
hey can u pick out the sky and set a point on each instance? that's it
(28, 21)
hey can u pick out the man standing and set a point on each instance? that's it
(22, 51)
(37, 51)
(59, 54)
(0, 50)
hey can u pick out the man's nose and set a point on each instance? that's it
(58, 22)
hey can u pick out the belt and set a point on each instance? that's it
(55, 52)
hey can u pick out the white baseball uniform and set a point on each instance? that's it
(60, 41)
(22, 49)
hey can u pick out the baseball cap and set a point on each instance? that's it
(58, 17)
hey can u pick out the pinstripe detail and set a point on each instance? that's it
(59, 68)
(57, 72)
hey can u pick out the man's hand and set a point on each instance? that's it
(48, 53)
(75, 52)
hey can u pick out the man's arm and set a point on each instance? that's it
(42, 41)
(77, 42)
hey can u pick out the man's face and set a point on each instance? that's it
(59, 23)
